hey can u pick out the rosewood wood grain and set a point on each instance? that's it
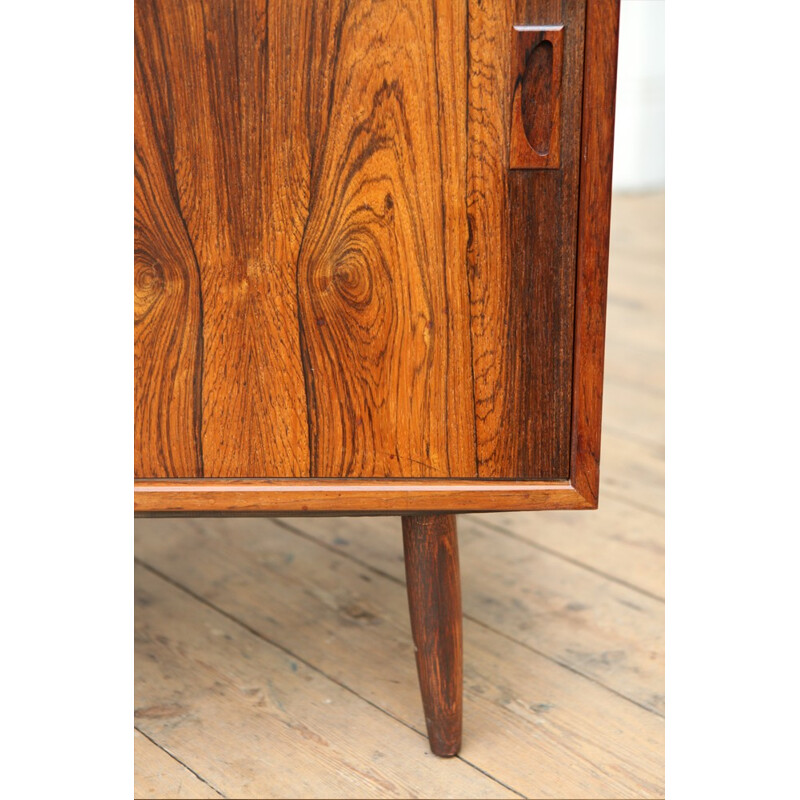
(380, 276)
(315, 157)
(433, 581)
(521, 334)
(597, 150)
(168, 311)
(522, 253)
(237, 190)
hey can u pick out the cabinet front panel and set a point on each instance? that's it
(522, 251)
(337, 274)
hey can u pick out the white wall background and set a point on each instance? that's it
(639, 130)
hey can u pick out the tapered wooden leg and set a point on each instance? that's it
(434, 600)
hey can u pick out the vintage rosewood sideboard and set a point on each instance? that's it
(370, 270)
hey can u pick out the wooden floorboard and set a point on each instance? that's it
(350, 622)
(255, 721)
(600, 628)
(636, 366)
(633, 471)
(634, 413)
(618, 540)
(274, 658)
(158, 774)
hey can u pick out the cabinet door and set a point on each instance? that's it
(357, 238)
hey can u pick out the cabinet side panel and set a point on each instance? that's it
(591, 293)
(522, 254)
(383, 290)
(168, 344)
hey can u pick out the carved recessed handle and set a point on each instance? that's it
(536, 60)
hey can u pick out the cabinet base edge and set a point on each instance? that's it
(285, 497)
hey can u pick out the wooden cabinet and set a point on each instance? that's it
(371, 250)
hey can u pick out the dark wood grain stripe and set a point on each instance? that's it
(168, 310)
(242, 193)
(381, 280)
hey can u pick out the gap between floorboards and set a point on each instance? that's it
(288, 527)
(244, 626)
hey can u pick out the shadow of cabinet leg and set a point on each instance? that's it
(434, 600)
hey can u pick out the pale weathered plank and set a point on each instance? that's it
(633, 412)
(636, 288)
(157, 774)
(629, 320)
(618, 540)
(627, 361)
(635, 319)
(255, 722)
(596, 626)
(637, 224)
(537, 727)
(632, 470)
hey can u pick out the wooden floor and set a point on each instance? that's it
(274, 658)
